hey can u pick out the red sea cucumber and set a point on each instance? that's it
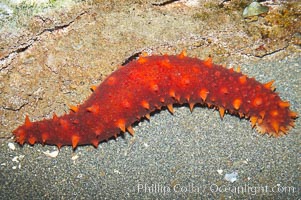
(151, 82)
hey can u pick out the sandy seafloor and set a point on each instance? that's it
(181, 156)
(171, 156)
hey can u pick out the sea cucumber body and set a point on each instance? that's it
(149, 83)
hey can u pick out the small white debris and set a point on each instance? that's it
(75, 157)
(191, 3)
(15, 159)
(249, 178)
(145, 144)
(3, 164)
(52, 154)
(220, 171)
(231, 177)
(116, 171)
(11, 146)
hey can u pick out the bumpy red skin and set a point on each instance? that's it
(149, 83)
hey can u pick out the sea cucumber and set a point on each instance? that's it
(152, 82)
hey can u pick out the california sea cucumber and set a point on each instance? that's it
(151, 82)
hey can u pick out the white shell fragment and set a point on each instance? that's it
(52, 154)
(231, 177)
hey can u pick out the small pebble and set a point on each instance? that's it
(75, 157)
(220, 171)
(11, 146)
(254, 9)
